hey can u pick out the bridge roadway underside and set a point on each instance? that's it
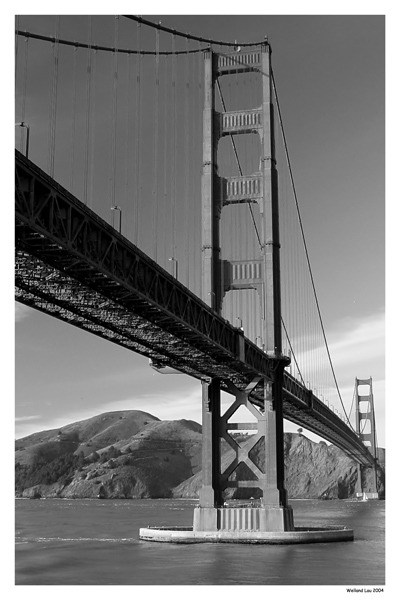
(74, 266)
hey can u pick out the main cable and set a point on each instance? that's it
(188, 36)
(53, 40)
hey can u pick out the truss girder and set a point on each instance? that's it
(73, 265)
(42, 287)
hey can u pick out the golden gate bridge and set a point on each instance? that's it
(147, 212)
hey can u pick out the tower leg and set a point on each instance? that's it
(273, 514)
(359, 486)
(276, 514)
(206, 514)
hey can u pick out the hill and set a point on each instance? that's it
(132, 454)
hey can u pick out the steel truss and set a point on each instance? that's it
(73, 265)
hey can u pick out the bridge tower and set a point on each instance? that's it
(218, 277)
(366, 433)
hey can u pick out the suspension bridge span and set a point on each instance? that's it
(245, 297)
(74, 266)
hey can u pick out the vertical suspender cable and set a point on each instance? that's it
(156, 111)
(173, 150)
(24, 79)
(114, 122)
(92, 129)
(138, 119)
(24, 85)
(186, 154)
(195, 136)
(53, 101)
(16, 55)
(165, 165)
(127, 136)
(88, 111)
(16, 46)
(73, 125)
(283, 269)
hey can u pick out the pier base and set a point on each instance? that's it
(300, 535)
(243, 519)
(245, 525)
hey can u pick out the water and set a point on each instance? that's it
(96, 542)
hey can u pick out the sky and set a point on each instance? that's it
(330, 74)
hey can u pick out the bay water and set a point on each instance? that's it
(96, 542)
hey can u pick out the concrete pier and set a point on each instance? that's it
(300, 535)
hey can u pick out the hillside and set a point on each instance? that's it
(132, 454)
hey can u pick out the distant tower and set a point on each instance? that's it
(366, 430)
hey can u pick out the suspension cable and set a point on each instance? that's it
(24, 84)
(138, 138)
(186, 154)
(352, 402)
(87, 115)
(53, 104)
(155, 148)
(53, 40)
(56, 41)
(305, 246)
(92, 129)
(188, 36)
(16, 49)
(73, 126)
(173, 151)
(115, 122)
(127, 137)
(140, 20)
(165, 153)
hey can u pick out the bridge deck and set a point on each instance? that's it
(73, 265)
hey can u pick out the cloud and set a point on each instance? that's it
(359, 339)
(356, 347)
(166, 404)
(185, 404)
(30, 418)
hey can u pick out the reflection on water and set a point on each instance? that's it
(95, 542)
